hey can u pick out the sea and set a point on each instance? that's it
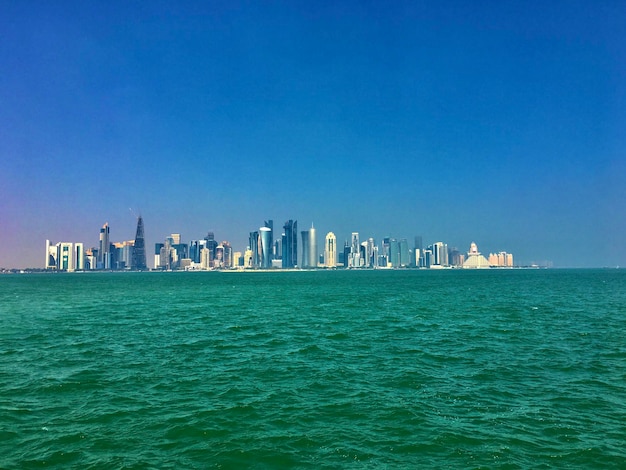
(385, 369)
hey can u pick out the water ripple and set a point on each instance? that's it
(506, 369)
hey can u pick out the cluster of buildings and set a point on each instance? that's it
(293, 249)
(266, 250)
(71, 256)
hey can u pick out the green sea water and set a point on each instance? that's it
(342, 369)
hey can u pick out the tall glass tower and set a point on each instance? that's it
(290, 244)
(266, 247)
(139, 251)
(304, 261)
(312, 247)
(104, 253)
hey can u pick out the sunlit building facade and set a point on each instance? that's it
(330, 250)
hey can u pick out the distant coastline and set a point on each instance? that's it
(282, 270)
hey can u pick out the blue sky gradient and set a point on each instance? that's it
(501, 123)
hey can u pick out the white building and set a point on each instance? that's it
(313, 255)
(65, 256)
(330, 250)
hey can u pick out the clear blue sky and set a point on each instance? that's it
(502, 123)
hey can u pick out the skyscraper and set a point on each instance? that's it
(304, 260)
(157, 255)
(354, 260)
(219, 256)
(253, 243)
(51, 256)
(405, 259)
(211, 244)
(371, 254)
(418, 251)
(266, 247)
(330, 250)
(79, 256)
(270, 224)
(312, 247)
(65, 257)
(345, 254)
(227, 258)
(139, 250)
(104, 252)
(440, 254)
(385, 256)
(290, 244)
(394, 253)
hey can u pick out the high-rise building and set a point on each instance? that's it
(253, 243)
(227, 259)
(418, 242)
(405, 259)
(104, 251)
(312, 247)
(157, 255)
(440, 254)
(428, 257)
(237, 259)
(122, 254)
(265, 247)
(290, 244)
(247, 258)
(369, 252)
(167, 255)
(219, 256)
(355, 244)
(354, 259)
(211, 244)
(330, 250)
(346, 254)
(384, 256)
(195, 250)
(270, 224)
(277, 251)
(51, 256)
(455, 257)
(205, 258)
(139, 249)
(90, 259)
(79, 257)
(394, 253)
(418, 251)
(304, 260)
(65, 256)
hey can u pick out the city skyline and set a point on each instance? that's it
(496, 123)
(267, 250)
